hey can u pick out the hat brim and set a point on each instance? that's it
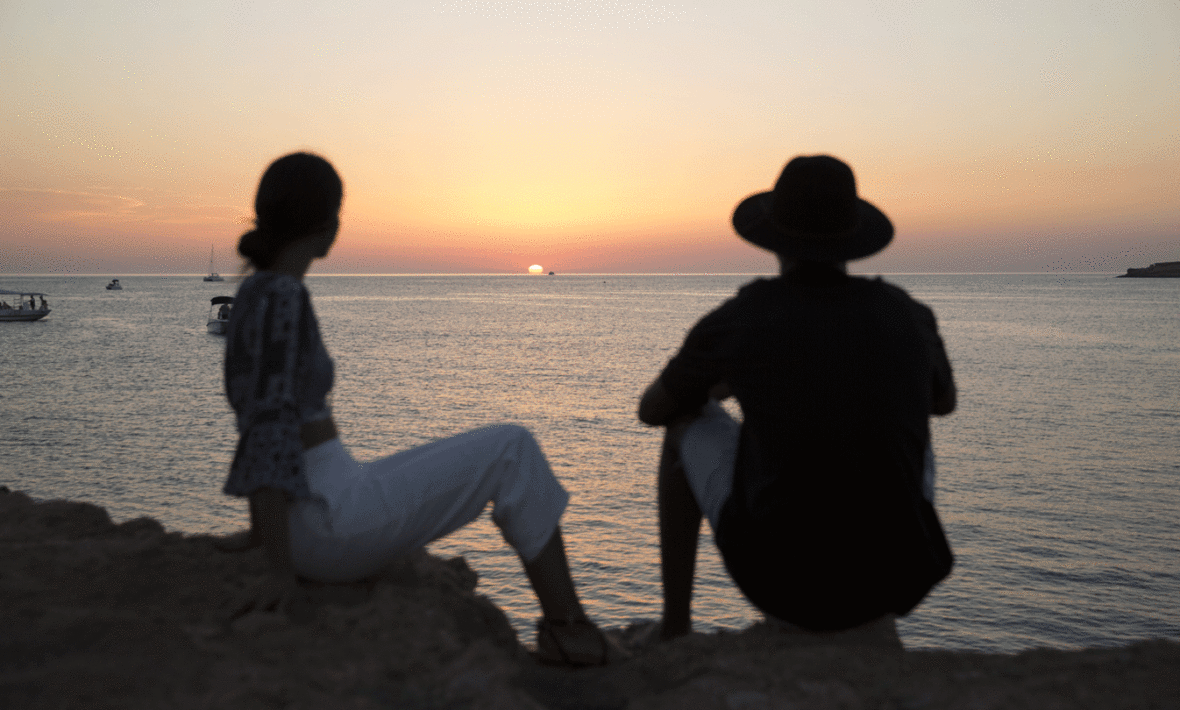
(872, 233)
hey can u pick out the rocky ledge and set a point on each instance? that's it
(98, 615)
(1163, 269)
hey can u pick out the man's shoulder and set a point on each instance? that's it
(747, 299)
(757, 293)
(878, 288)
(878, 285)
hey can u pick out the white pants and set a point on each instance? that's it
(708, 452)
(364, 515)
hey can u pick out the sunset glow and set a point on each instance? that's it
(602, 136)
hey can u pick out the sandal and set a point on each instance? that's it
(575, 644)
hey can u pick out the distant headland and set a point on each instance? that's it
(1162, 270)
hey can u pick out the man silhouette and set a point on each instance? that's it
(821, 499)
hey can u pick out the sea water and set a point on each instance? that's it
(1058, 474)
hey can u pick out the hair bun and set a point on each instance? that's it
(257, 248)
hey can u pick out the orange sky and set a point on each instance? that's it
(590, 136)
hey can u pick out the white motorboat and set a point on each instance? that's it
(219, 310)
(114, 285)
(22, 310)
(213, 275)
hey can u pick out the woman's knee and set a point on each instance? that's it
(516, 435)
(515, 431)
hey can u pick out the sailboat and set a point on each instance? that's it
(213, 275)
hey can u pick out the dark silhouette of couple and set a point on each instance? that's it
(820, 499)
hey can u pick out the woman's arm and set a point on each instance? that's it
(268, 511)
(262, 370)
(242, 540)
(279, 592)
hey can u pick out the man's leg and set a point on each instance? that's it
(680, 525)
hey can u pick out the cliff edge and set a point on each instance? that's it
(98, 615)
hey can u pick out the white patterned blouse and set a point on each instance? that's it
(277, 377)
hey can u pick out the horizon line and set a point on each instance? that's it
(234, 277)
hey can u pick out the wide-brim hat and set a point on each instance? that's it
(814, 214)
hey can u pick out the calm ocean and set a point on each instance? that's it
(1058, 481)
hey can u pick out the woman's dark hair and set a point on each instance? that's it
(298, 195)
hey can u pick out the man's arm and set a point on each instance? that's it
(945, 399)
(657, 406)
(943, 393)
(945, 396)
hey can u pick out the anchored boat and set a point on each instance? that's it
(22, 310)
(213, 275)
(219, 310)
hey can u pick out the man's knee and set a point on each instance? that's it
(674, 435)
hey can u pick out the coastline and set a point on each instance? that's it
(129, 616)
(1160, 270)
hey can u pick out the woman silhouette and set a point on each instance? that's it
(318, 513)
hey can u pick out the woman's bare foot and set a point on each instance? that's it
(576, 644)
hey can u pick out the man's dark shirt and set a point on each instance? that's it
(826, 526)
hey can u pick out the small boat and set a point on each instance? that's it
(114, 285)
(213, 275)
(219, 310)
(22, 311)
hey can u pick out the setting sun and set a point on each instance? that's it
(536, 269)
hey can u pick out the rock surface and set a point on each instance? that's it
(98, 615)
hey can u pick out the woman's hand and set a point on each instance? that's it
(279, 591)
(271, 594)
